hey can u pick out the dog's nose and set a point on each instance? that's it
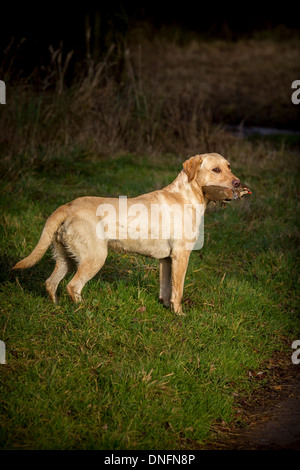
(236, 183)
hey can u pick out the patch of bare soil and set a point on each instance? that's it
(270, 417)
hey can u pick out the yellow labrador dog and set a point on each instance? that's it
(84, 229)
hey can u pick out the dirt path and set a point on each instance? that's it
(275, 424)
(270, 417)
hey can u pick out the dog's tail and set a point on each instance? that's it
(52, 224)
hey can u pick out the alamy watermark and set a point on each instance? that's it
(296, 354)
(296, 94)
(2, 353)
(124, 220)
(2, 92)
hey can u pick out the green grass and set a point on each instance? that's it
(120, 371)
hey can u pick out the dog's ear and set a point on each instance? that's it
(191, 165)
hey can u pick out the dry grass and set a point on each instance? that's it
(167, 98)
(247, 79)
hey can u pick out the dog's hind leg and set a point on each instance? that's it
(87, 269)
(62, 266)
(81, 241)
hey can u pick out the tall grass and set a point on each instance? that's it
(164, 98)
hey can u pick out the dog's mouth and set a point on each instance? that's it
(224, 194)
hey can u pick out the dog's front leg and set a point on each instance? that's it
(180, 261)
(165, 280)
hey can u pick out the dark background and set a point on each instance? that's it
(40, 25)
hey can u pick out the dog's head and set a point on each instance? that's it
(210, 169)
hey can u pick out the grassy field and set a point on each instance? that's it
(120, 371)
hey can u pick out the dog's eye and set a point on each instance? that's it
(229, 167)
(216, 170)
